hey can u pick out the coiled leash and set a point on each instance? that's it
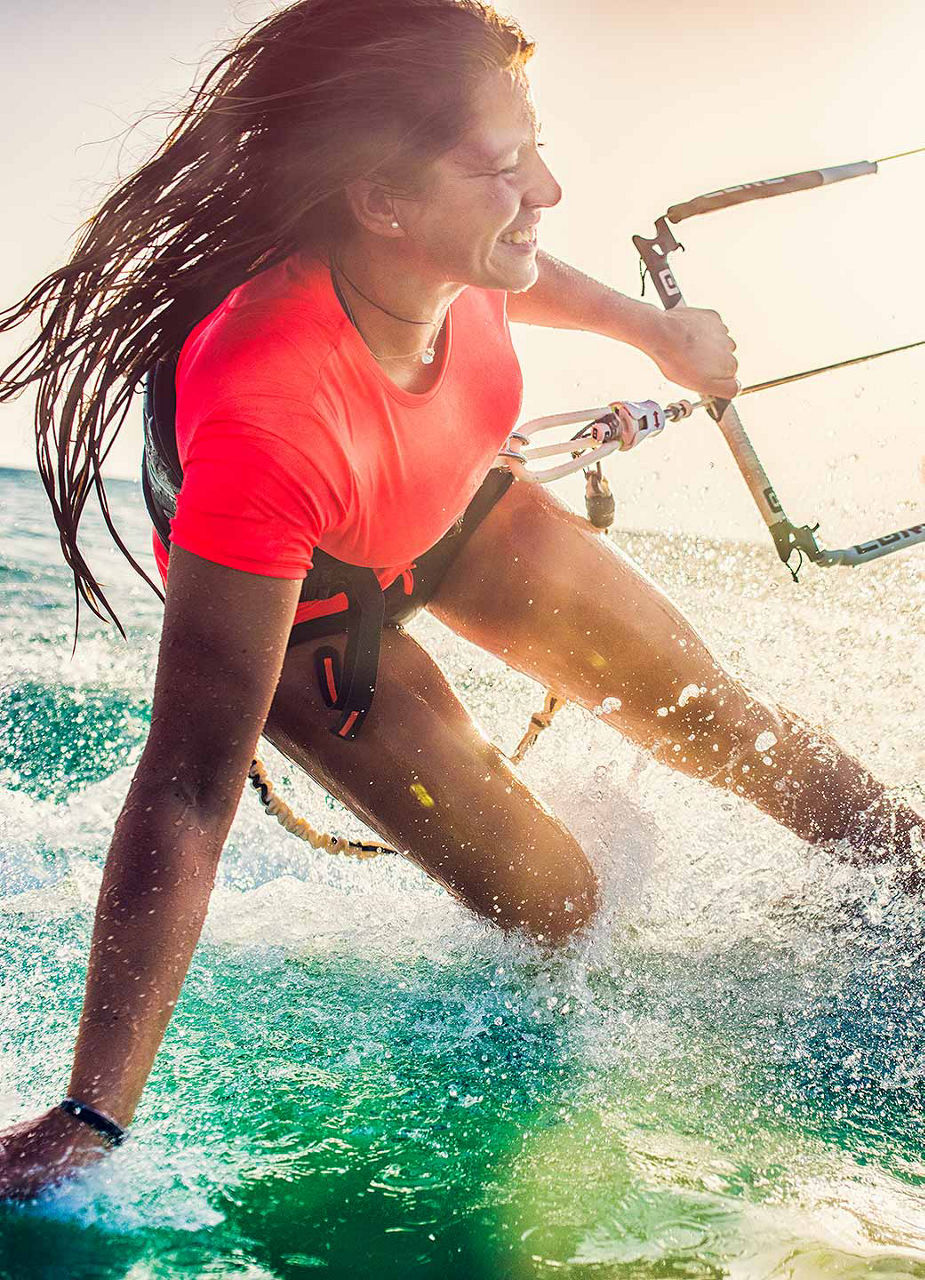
(301, 827)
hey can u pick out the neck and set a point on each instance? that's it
(386, 273)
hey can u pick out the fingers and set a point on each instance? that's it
(725, 389)
(714, 337)
(729, 381)
(726, 386)
(40, 1153)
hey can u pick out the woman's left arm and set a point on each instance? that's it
(691, 347)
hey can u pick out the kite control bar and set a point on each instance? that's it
(789, 539)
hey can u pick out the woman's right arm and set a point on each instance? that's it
(222, 649)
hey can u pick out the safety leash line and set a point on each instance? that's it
(539, 721)
(324, 841)
(278, 808)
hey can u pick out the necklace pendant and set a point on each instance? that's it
(427, 357)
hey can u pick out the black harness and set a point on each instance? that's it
(347, 688)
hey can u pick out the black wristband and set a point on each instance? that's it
(106, 1128)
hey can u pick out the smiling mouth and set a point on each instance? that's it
(525, 237)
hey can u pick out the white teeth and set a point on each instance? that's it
(520, 237)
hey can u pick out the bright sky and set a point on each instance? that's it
(642, 105)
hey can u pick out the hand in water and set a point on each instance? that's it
(694, 349)
(36, 1154)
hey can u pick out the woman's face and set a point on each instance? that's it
(477, 222)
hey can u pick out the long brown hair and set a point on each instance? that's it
(254, 170)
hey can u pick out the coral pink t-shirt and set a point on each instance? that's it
(291, 436)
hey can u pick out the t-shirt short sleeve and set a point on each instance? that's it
(251, 501)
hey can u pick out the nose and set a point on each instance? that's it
(544, 192)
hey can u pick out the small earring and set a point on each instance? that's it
(394, 223)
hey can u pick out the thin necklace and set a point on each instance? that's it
(427, 354)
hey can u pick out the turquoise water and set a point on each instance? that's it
(726, 1078)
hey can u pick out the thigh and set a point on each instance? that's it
(537, 586)
(422, 775)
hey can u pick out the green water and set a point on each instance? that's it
(727, 1078)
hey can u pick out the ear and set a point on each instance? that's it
(373, 207)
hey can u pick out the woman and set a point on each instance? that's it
(350, 203)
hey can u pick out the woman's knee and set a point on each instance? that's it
(463, 816)
(551, 908)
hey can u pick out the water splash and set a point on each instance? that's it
(723, 1078)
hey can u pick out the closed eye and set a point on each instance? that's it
(513, 168)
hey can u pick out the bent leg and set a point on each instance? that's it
(539, 588)
(422, 776)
